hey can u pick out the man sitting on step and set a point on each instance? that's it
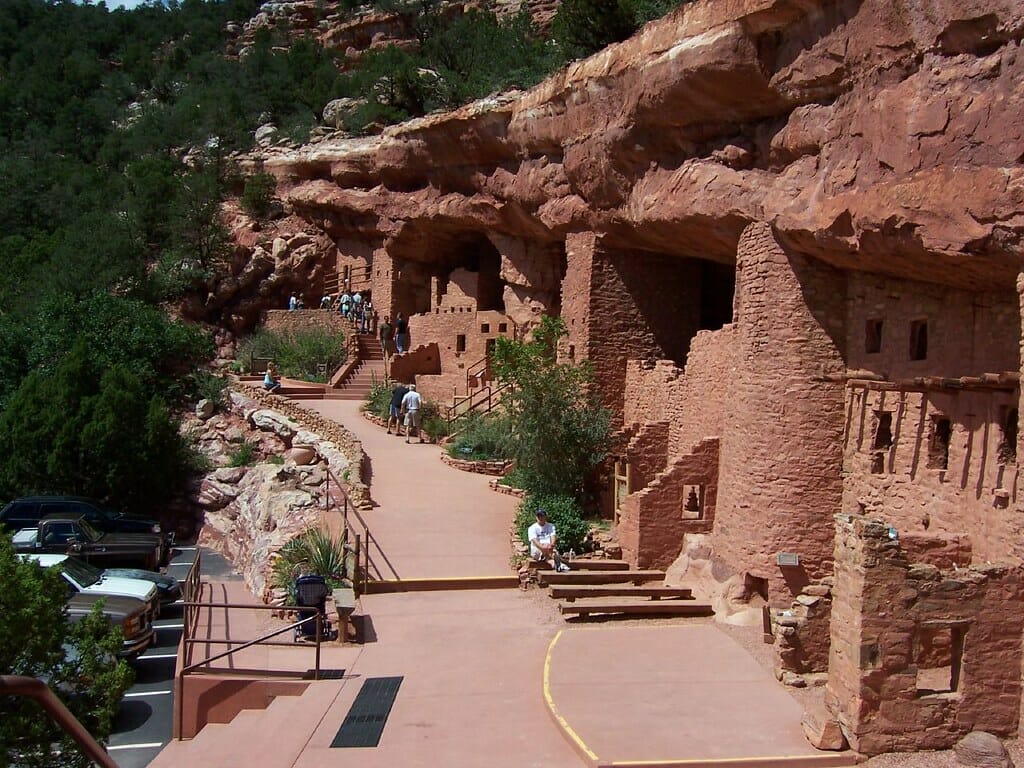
(544, 541)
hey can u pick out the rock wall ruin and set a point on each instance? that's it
(788, 229)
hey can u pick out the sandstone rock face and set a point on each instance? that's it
(250, 512)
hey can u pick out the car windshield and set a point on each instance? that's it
(83, 574)
(90, 533)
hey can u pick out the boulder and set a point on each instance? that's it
(205, 409)
(271, 421)
(301, 454)
(980, 749)
(822, 730)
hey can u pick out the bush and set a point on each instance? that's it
(243, 456)
(564, 513)
(560, 432)
(486, 437)
(314, 552)
(432, 422)
(378, 402)
(258, 194)
(209, 386)
(298, 354)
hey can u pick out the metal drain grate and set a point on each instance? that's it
(368, 715)
(325, 674)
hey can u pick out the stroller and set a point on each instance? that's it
(311, 594)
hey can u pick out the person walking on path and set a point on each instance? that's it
(411, 404)
(395, 409)
(544, 541)
(401, 333)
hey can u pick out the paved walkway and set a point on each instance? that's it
(495, 677)
(430, 520)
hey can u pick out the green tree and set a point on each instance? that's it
(70, 431)
(583, 27)
(76, 660)
(559, 431)
(258, 194)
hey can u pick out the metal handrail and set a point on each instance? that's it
(33, 688)
(364, 540)
(188, 642)
(487, 396)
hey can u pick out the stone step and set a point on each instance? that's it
(586, 564)
(599, 577)
(621, 590)
(636, 607)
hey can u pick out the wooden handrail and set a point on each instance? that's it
(33, 688)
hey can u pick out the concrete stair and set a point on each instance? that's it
(357, 385)
(282, 730)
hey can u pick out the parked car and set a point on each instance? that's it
(127, 612)
(168, 590)
(80, 576)
(26, 512)
(61, 535)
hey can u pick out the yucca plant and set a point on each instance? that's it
(314, 552)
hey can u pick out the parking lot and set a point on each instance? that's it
(143, 724)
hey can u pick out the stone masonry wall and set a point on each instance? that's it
(920, 479)
(919, 657)
(782, 439)
(283, 320)
(653, 521)
(693, 401)
(802, 634)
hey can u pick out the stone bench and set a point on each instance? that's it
(344, 604)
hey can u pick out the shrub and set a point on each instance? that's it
(314, 552)
(209, 386)
(243, 456)
(432, 422)
(258, 194)
(560, 432)
(378, 402)
(563, 512)
(486, 437)
(298, 354)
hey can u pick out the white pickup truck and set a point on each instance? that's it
(82, 578)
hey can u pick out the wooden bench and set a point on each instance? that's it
(344, 604)
(570, 593)
(645, 607)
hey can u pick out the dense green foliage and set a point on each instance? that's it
(80, 429)
(77, 660)
(563, 512)
(483, 437)
(560, 433)
(378, 401)
(300, 354)
(583, 27)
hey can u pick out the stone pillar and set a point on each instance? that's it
(782, 442)
(383, 281)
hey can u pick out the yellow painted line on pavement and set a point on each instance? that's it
(554, 710)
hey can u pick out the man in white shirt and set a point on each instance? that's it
(544, 541)
(411, 404)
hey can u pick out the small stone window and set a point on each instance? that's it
(882, 441)
(938, 444)
(693, 502)
(572, 351)
(938, 655)
(460, 343)
(873, 336)
(919, 340)
(502, 327)
(883, 431)
(1008, 440)
(485, 327)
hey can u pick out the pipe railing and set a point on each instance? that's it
(482, 400)
(33, 688)
(364, 540)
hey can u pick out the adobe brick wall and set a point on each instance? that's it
(693, 402)
(968, 335)
(781, 457)
(653, 522)
(887, 614)
(802, 632)
(282, 320)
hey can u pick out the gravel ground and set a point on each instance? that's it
(763, 653)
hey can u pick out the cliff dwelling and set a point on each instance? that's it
(787, 237)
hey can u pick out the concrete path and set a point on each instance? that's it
(429, 519)
(496, 677)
